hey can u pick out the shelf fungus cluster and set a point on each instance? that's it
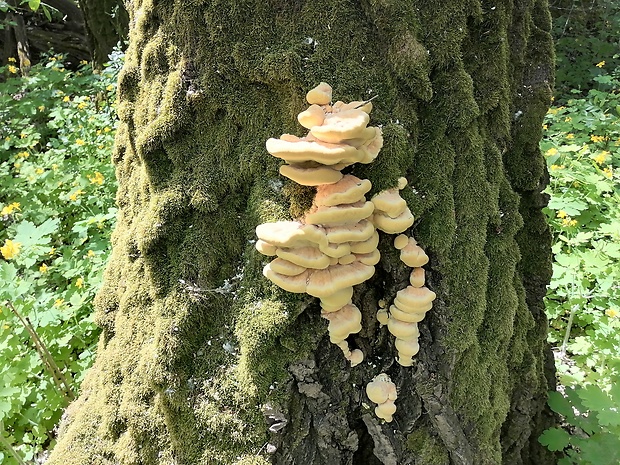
(382, 391)
(333, 247)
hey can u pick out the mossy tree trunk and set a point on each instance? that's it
(200, 355)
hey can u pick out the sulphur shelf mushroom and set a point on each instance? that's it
(333, 247)
(382, 391)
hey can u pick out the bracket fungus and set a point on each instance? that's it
(382, 391)
(333, 247)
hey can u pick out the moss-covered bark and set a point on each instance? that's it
(200, 354)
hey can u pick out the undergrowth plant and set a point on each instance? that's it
(582, 148)
(56, 215)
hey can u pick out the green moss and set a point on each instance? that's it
(426, 448)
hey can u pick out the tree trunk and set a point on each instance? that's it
(202, 360)
(107, 24)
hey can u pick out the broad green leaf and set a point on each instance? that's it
(555, 439)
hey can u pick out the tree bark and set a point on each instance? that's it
(107, 24)
(202, 360)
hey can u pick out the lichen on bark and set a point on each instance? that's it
(200, 355)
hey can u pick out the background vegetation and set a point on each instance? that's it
(57, 212)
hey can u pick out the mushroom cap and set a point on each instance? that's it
(308, 257)
(389, 202)
(337, 300)
(407, 347)
(414, 299)
(378, 391)
(339, 214)
(355, 357)
(326, 282)
(337, 127)
(402, 329)
(291, 234)
(265, 248)
(398, 314)
(311, 176)
(413, 255)
(357, 232)
(281, 266)
(336, 250)
(346, 321)
(372, 147)
(386, 410)
(401, 241)
(382, 316)
(390, 225)
(371, 258)
(366, 246)
(341, 106)
(350, 258)
(402, 182)
(417, 277)
(320, 95)
(304, 150)
(314, 115)
(349, 189)
(296, 284)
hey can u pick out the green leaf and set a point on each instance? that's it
(555, 439)
(34, 4)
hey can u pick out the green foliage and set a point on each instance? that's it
(582, 148)
(587, 38)
(57, 202)
(592, 414)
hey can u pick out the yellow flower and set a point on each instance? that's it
(90, 254)
(607, 172)
(568, 119)
(43, 268)
(39, 171)
(110, 88)
(10, 249)
(79, 142)
(79, 283)
(551, 151)
(566, 222)
(96, 178)
(553, 111)
(545, 127)
(572, 223)
(12, 69)
(594, 138)
(570, 136)
(10, 209)
(561, 214)
(82, 105)
(5, 326)
(17, 166)
(601, 157)
(83, 62)
(612, 313)
(600, 64)
(52, 251)
(66, 99)
(106, 129)
(100, 147)
(98, 132)
(54, 166)
(59, 302)
(23, 135)
(73, 197)
(557, 167)
(12, 60)
(41, 107)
